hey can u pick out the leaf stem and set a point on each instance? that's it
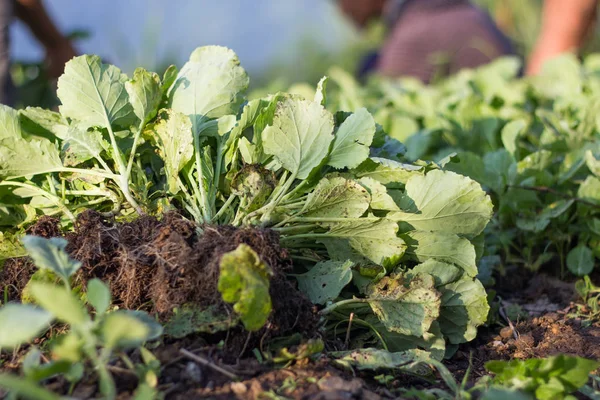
(239, 215)
(293, 202)
(191, 206)
(305, 236)
(333, 307)
(51, 185)
(88, 193)
(196, 189)
(114, 211)
(224, 208)
(291, 205)
(282, 182)
(104, 165)
(295, 190)
(82, 171)
(289, 182)
(358, 321)
(305, 258)
(271, 206)
(136, 138)
(107, 194)
(54, 198)
(123, 183)
(332, 220)
(118, 156)
(123, 179)
(288, 229)
(206, 211)
(107, 384)
(218, 168)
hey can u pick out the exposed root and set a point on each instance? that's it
(157, 265)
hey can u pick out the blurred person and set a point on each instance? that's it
(428, 38)
(33, 13)
(566, 25)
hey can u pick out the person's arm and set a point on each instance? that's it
(58, 48)
(565, 26)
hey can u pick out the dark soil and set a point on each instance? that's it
(16, 272)
(316, 382)
(549, 327)
(157, 265)
(184, 379)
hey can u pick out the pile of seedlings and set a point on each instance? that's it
(254, 224)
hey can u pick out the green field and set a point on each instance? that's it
(175, 236)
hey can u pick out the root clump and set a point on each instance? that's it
(158, 265)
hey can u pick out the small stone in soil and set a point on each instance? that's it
(193, 371)
(506, 332)
(336, 383)
(238, 388)
(525, 342)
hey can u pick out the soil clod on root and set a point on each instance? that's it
(15, 273)
(157, 265)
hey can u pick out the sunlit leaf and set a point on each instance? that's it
(325, 281)
(244, 281)
(20, 323)
(300, 136)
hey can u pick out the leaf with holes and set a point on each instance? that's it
(324, 282)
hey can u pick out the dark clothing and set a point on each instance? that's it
(430, 37)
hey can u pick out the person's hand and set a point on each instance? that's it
(543, 53)
(566, 25)
(57, 56)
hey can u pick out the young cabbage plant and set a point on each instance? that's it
(88, 155)
(555, 377)
(363, 214)
(92, 337)
(315, 174)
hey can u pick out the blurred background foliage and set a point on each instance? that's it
(304, 61)
(521, 20)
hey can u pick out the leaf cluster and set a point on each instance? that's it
(390, 241)
(90, 337)
(532, 143)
